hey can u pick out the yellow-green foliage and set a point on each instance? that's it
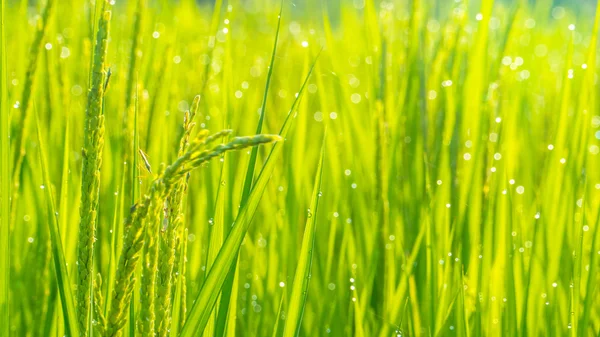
(460, 178)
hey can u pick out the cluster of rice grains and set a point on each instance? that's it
(153, 231)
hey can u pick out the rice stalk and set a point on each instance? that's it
(92, 162)
(152, 204)
(149, 266)
(171, 233)
(99, 323)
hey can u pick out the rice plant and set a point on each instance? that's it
(299, 168)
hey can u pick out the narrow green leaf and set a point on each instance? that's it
(302, 277)
(4, 185)
(63, 204)
(232, 313)
(254, 154)
(206, 299)
(215, 243)
(135, 193)
(276, 328)
(115, 241)
(225, 299)
(58, 255)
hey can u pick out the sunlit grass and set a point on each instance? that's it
(457, 188)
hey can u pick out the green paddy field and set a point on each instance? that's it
(290, 168)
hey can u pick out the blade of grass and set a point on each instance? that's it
(63, 221)
(276, 328)
(205, 301)
(135, 194)
(115, 240)
(232, 313)
(216, 240)
(302, 277)
(251, 165)
(4, 185)
(64, 187)
(60, 265)
(227, 288)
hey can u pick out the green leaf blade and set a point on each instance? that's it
(302, 276)
(58, 255)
